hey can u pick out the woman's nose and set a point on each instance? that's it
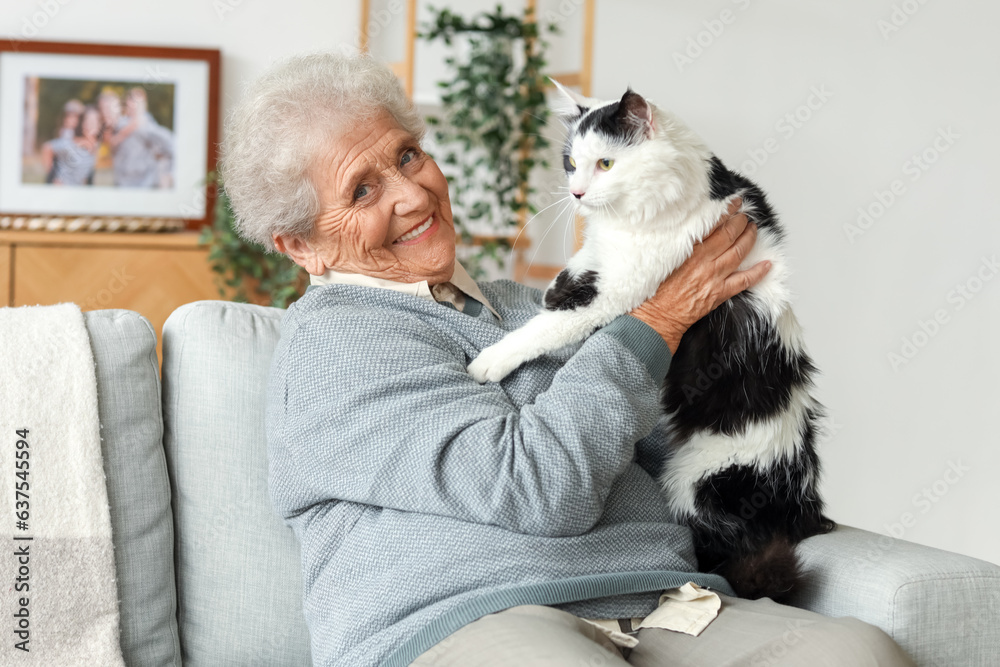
(411, 196)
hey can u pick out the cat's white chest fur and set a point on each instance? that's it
(645, 184)
(630, 261)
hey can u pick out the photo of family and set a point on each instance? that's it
(98, 133)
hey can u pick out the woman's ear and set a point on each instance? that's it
(301, 252)
(569, 105)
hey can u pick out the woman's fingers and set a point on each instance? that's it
(708, 278)
(743, 280)
(730, 226)
(733, 209)
(733, 256)
(734, 206)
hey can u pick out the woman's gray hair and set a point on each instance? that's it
(285, 121)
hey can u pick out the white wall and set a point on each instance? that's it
(899, 429)
(900, 426)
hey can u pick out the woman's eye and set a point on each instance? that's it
(605, 163)
(408, 157)
(569, 164)
(362, 191)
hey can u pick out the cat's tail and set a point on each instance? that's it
(769, 572)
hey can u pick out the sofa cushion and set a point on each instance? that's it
(128, 402)
(941, 607)
(239, 586)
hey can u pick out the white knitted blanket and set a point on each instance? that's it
(57, 576)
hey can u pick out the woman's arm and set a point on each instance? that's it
(377, 408)
(382, 411)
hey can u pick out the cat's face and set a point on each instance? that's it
(604, 156)
(629, 161)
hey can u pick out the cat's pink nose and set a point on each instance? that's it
(578, 195)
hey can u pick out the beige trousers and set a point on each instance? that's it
(747, 633)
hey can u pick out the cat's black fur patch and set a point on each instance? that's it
(721, 181)
(603, 119)
(731, 369)
(571, 292)
(751, 516)
(757, 505)
(613, 121)
(724, 183)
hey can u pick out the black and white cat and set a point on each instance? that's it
(742, 469)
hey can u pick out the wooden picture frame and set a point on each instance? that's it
(157, 109)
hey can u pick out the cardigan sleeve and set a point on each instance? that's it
(384, 413)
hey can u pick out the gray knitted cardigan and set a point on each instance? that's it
(423, 500)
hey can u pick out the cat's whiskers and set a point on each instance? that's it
(613, 209)
(547, 230)
(569, 226)
(513, 245)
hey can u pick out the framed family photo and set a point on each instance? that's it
(101, 130)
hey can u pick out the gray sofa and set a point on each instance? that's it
(208, 574)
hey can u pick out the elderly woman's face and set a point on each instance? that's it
(385, 210)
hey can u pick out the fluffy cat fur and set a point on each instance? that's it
(741, 468)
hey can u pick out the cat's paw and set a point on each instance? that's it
(492, 365)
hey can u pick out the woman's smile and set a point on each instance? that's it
(418, 233)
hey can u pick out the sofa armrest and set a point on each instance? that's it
(942, 608)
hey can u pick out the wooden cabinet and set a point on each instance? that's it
(151, 274)
(5, 274)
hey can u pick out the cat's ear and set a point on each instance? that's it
(634, 110)
(568, 104)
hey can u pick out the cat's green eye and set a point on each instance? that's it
(605, 163)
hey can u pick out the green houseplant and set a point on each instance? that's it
(489, 133)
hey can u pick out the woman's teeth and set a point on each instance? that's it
(416, 232)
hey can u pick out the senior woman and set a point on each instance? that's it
(444, 522)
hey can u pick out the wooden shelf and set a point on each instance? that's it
(150, 273)
(101, 239)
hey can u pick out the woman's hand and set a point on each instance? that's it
(708, 278)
